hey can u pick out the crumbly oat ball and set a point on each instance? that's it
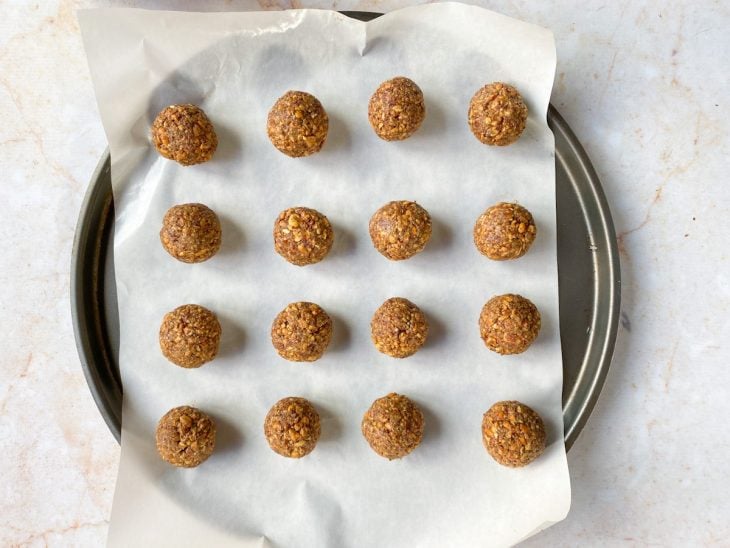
(393, 426)
(398, 328)
(513, 434)
(297, 124)
(185, 134)
(302, 236)
(504, 231)
(400, 229)
(292, 427)
(396, 109)
(191, 233)
(509, 324)
(301, 332)
(497, 114)
(190, 336)
(185, 436)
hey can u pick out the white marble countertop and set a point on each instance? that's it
(645, 87)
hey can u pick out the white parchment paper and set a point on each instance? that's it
(448, 492)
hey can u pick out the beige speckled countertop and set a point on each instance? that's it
(645, 87)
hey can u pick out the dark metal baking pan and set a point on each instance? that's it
(588, 273)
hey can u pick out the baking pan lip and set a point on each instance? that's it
(607, 280)
(86, 304)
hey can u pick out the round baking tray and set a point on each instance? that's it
(588, 277)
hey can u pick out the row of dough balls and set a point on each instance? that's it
(512, 433)
(399, 230)
(190, 335)
(297, 124)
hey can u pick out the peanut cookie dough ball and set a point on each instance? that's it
(292, 427)
(302, 236)
(393, 426)
(513, 434)
(398, 328)
(190, 336)
(497, 114)
(185, 436)
(504, 231)
(185, 134)
(396, 109)
(301, 332)
(191, 233)
(509, 323)
(400, 229)
(297, 124)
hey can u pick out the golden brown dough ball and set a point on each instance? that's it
(513, 434)
(393, 426)
(190, 336)
(185, 436)
(504, 231)
(303, 236)
(292, 427)
(184, 133)
(509, 324)
(396, 109)
(301, 332)
(297, 124)
(497, 114)
(191, 233)
(399, 230)
(398, 328)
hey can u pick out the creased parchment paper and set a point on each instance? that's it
(448, 492)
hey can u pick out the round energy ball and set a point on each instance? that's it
(504, 231)
(191, 233)
(400, 229)
(398, 328)
(393, 426)
(513, 434)
(396, 109)
(301, 332)
(302, 236)
(190, 336)
(297, 124)
(185, 134)
(292, 427)
(185, 436)
(509, 324)
(497, 114)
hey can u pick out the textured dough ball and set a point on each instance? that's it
(185, 134)
(513, 434)
(292, 427)
(393, 426)
(504, 231)
(297, 124)
(185, 436)
(396, 109)
(190, 335)
(400, 229)
(302, 236)
(301, 332)
(497, 114)
(398, 328)
(509, 324)
(191, 233)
